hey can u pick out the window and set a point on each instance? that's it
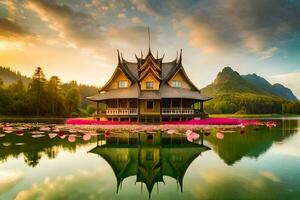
(123, 84)
(150, 105)
(176, 84)
(149, 85)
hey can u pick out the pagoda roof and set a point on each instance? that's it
(165, 166)
(164, 74)
(165, 91)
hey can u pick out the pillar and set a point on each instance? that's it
(97, 107)
(201, 106)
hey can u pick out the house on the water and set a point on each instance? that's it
(149, 159)
(149, 90)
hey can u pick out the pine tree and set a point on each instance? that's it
(37, 91)
(55, 96)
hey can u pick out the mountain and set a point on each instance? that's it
(8, 76)
(234, 93)
(229, 81)
(276, 89)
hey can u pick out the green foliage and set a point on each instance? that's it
(74, 114)
(83, 113)
(234, 95)
(42, 97)
(37, 92)
(244, 103)
(72, 99)
(8, 76)
(91, 109)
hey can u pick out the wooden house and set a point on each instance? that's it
(149, 90)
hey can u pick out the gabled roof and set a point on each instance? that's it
(123, 68)
(163, 72)
(179, 68)
(148, 71)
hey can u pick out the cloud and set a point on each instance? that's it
(136, 20)
(80, 185)
(79, 27)
(234, 25)
(268, 53)
(11, 30)
(269, 175)
(11, 7)
(8, 179)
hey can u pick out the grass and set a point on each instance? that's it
(253, 115)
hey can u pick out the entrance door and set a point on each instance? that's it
(150, 105)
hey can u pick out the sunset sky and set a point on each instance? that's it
(78, 39)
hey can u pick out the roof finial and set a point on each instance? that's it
(157, 54)
(119, 59)
(149, 38)
(141, 54)
(180, 56)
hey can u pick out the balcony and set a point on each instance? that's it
(121, 111)
(177, 111)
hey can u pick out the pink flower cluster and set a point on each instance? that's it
(208, 121)
(78, 121)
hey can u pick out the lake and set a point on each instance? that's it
(52, 161)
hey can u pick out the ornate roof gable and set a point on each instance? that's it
(149, 65)
(177, 69)
(120, 68)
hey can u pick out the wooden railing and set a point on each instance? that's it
(177, 111)
(121, 111)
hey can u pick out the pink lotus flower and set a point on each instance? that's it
(19, 133)
(7, 128)
(56, 130)
(220, 135)
(192, 136)
(45, 128)
(52, 135)
(270, 124)
(8, 131)
(188, 132)
(86, 137)
(72, 138)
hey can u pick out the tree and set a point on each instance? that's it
(19, 98)
(72, 100)
(55, 97)
(91, 109)
(1, 83)
(37, 91)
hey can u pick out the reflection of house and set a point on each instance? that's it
(150, 160)
(150, 90)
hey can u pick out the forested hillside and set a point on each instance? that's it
(235, 94)
(37, 96)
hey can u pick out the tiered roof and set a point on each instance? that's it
(163, 72)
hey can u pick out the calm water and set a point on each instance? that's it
(262, 163)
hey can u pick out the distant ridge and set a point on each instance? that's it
(8, 76)
(276, 89)
(251, 93)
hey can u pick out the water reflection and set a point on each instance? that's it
(34, 144)
(253, 143)
(149, 157)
